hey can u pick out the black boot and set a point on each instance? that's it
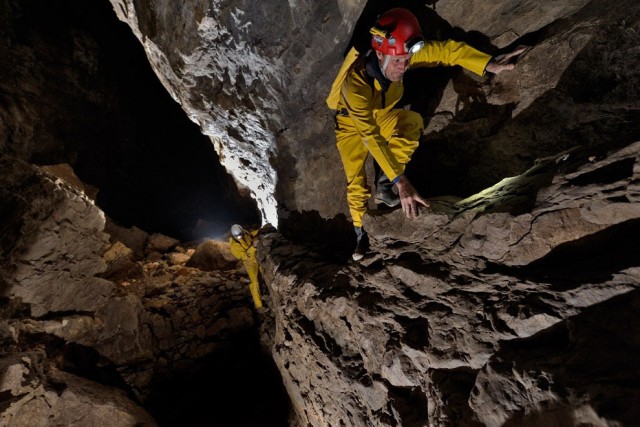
(384, 190)
(362, 244)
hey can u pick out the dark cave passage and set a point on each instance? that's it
(237, 387)
(120, 130)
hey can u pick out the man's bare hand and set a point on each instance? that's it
(501, 62)
(409, 197)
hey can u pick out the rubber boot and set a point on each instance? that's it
(384, 190)
(362, 244)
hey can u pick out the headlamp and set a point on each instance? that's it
(414, 45)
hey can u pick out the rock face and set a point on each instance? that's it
(60, 398)
(249, 75)
(472, 314)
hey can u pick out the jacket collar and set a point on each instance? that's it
(372, 67)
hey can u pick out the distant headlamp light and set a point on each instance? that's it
(414, 45)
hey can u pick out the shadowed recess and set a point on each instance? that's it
(323, 341)
(455, 385)
(413, 261)
(238, 387)
(333, 238)
(591, 259)
(411, 404)
(416, 333)
(608, 174)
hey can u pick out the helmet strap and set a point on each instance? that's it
(383, 68)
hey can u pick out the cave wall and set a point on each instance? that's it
(76, 88)
(251, 75)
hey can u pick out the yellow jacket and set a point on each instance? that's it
(352, 90)
(243, 248)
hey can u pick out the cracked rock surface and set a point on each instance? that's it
(471, 314)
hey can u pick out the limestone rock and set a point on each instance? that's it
(474, 312)
(65, 172)
(133, 237)
(160, 243)
(43, 396)
(60, 229)
(245, 95)
(120, 263)
(212, 255)
(177, 258)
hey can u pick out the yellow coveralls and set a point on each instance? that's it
(366, 121)
(244, 250)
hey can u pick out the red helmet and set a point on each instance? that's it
(397, 32)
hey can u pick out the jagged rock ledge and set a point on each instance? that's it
(506, 308)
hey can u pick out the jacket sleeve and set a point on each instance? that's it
(451, 53)
(357, 95)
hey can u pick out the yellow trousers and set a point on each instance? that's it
(251, 265)
(401, 129)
